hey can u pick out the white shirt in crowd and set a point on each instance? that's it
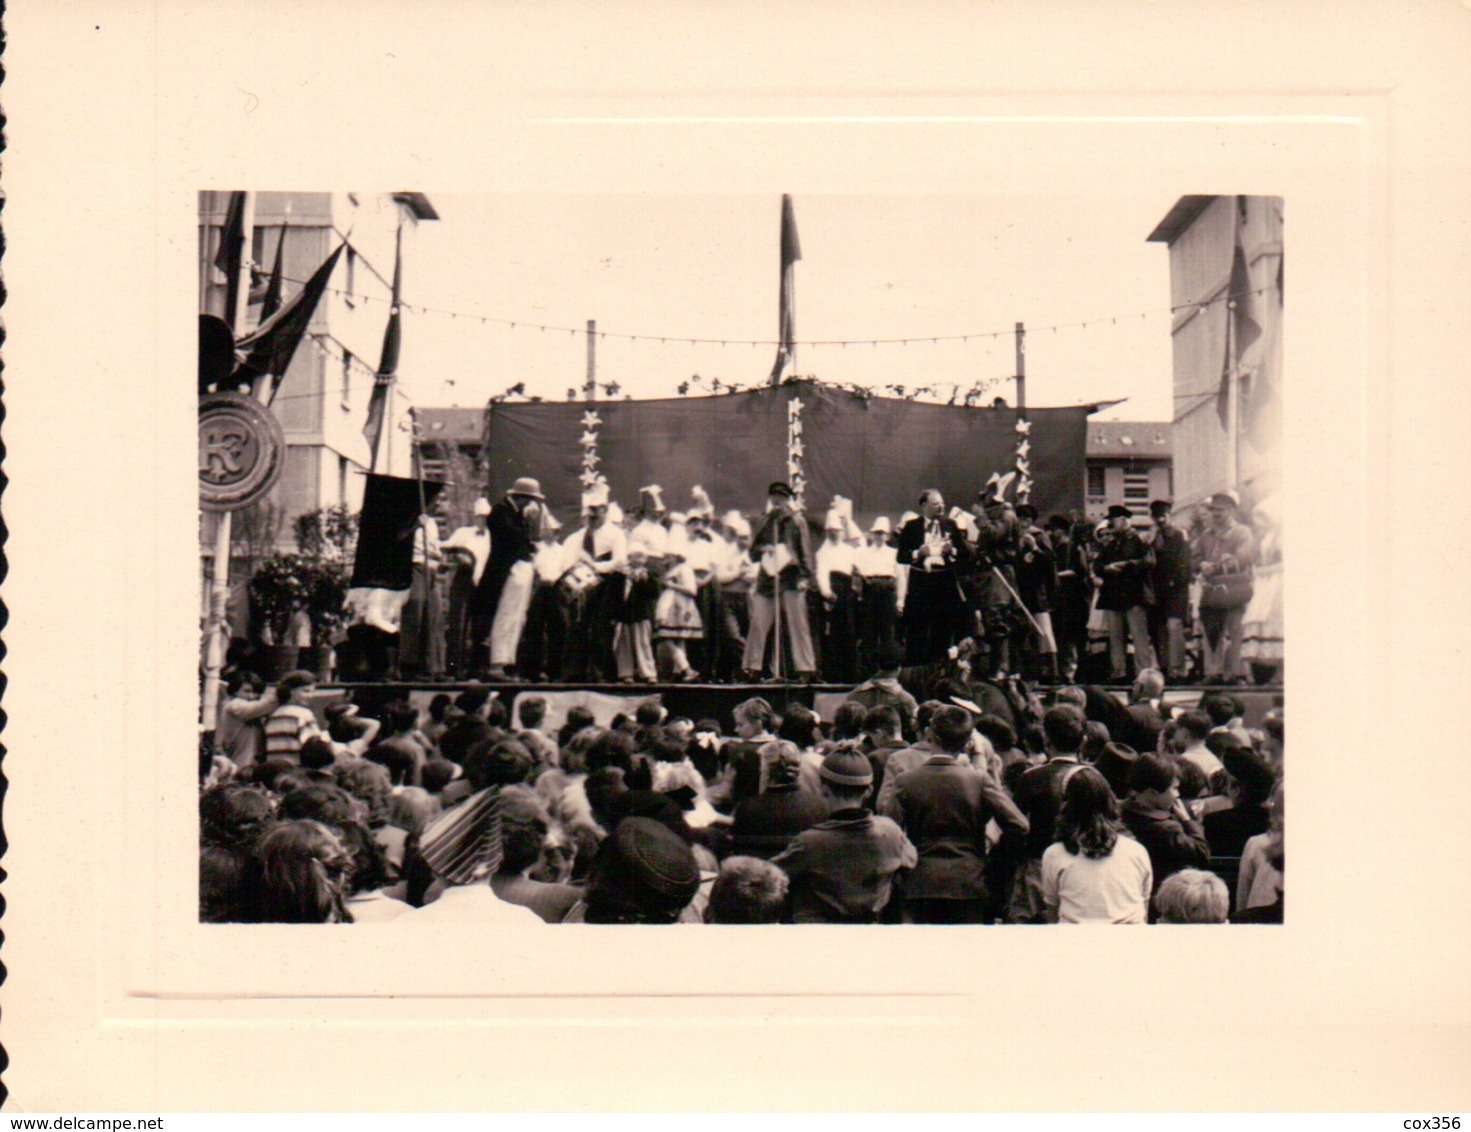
(653, 535)
(1107, 890)
(551, 561)
(876, 561)
(476, 542)
(832, 558)
(607, 540)
(427, 551)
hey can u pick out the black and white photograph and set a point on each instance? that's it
(804, 584)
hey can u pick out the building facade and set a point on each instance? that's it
(322, 400)
(1129, 463)
(1226, 263)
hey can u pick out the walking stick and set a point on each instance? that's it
(1018, 599)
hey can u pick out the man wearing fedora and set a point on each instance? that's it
(1169, 578)
(1222, 556)
(783, 548)
(1119, 571)
(504, 593)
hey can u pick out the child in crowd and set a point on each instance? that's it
(635, 597)
(842, 870)
(292, 722)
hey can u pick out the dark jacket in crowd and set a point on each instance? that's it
(1227, 831)
(1173, 843)
(763, 826)
(943, 806)
(1121, 590)
(842, 869)
(1039, 796)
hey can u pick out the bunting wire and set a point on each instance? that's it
(684, 339)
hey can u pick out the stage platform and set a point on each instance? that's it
(712, 701)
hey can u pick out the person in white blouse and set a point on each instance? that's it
(597, 549)
(466, 550)
(877, 567)
(703, 550)
(835, 564)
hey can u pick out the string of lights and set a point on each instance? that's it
(678, 339)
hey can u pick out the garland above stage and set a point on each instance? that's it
(826, 440)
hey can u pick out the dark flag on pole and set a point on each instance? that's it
(269, 348)
(227, 255)
(271, 302)
(388, 363)
(385, 551)
(791, 252)
(1244, 322)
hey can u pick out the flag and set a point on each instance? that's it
(1244, 324)
(387, 364)
(271, 303)
(269, 348)
(390, 517)
(791, 252)
(227, 255)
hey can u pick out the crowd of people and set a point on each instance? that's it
(1080, 809)
(655, 595)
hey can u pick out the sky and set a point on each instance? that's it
(873, 266)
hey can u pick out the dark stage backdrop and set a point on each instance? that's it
(879, 452)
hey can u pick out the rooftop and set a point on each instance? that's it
(1179, 218)
(1140, 440)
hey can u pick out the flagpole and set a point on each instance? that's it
(219, 588)
(1233, 402)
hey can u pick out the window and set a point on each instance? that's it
(1095, 482)
(1136, 492)
(347, 379)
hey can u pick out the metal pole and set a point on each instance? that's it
(1021, 368)
(219, 588)
(1233, 402)
(590, 390)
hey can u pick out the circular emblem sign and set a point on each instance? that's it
(241, 450)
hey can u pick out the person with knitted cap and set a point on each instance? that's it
(843, 868)
(645, 873)
(944, 805)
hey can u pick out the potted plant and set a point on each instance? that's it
(326, 539)
(326, 604)
(278, 591)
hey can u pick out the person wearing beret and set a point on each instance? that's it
(1225, 550)
(783, 548)
(935, 553)
(1169, 579)
(1120, 570)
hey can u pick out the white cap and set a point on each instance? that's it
(880, 526)
(615, 514)
(834, 521)
(595, 496)
(482, 506)
(738, 526)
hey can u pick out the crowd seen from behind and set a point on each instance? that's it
(1082, 810)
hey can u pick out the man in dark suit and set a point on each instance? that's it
(512, 543)
(1169, 578)
(935, 553)
(1120, 570)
